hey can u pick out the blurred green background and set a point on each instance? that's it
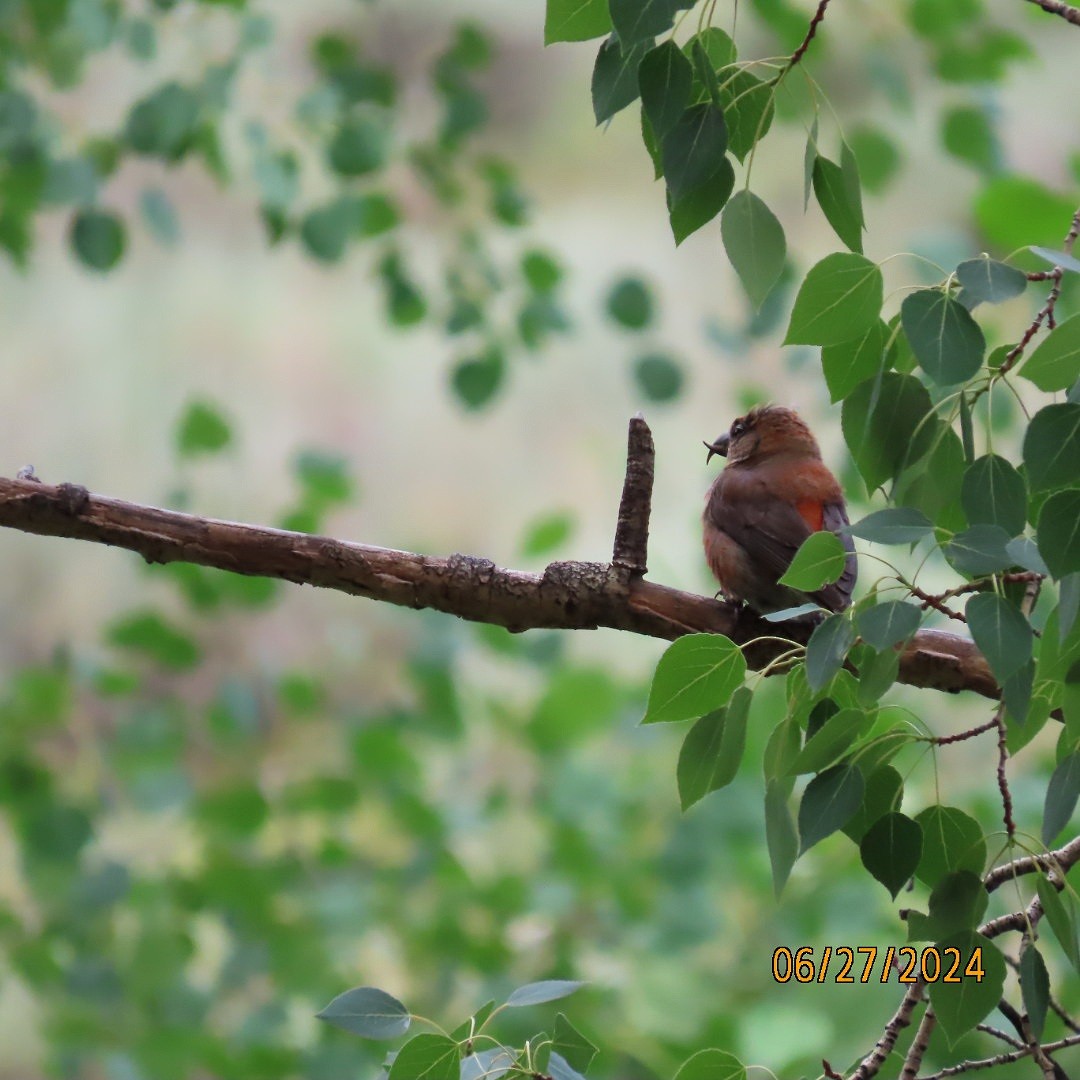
(221, 803)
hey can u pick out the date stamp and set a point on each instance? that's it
(844, 964)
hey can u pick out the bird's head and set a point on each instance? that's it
(764, 431)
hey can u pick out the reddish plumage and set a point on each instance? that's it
(773, 493)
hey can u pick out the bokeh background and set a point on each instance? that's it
(338, 793)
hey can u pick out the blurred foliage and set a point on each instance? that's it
(210, 852)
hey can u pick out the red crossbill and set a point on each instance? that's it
(773, 493)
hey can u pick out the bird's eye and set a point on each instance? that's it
(738, 428)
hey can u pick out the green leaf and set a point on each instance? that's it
(780, 835)
(1057, 258)
(755, 244)
(537, 993)
(476, 380)
(698, 207)
(164, 123)
(324, 476)
(576, 20)
(957, 903)
(491, 1063)
(982, 549)
(748, 109)
(694, 150)
(1055, 364)
(819, 561)
(877, 673)
(960, 1006)
(994, 493)
(968, 135)
(717, 46)
(1035, 988)
(572, 1045)
(877, 155)
(697, 674)
(884, 425)
(664, 79)
(894, 525)
(828, 803)
(325, 230)
(1001, 632)
(946, 340)
(712, 1065)
(888, 623)
(785, 742)
(1060, 909)
(1061, 795)
(891, 849)
(369, 1012)
(202, 430)
(713, 749)
(834, 197)
(427, 1057)
(849, 363)
(547, 534)
(988, 281)
(1059, 532)
(1016, 211)
(149, 633)
(98, 238)
(658, 377)
(883, 795)
(359, 147)
(826, 649)
(630, 303)
(1052, 447)
(809, 157)
(641, 20)
(839, 299)
(832, 740)
(615, 78)
(160, 216)
(951, 841)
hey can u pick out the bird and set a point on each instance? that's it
(771, 495)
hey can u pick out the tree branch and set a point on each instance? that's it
(1058, 7)
(567, 595)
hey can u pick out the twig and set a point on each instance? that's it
(1046, 312)
(901, 1019)
(1001, 1059)
(945, 740)
(811, 30)
(919, 1045)
(1002, 780)
(1058, 7)
(929, 600)
(997, 1033)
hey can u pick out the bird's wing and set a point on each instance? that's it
(772, 529)
(837, 596)
(768, 529)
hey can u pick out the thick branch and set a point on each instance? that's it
(567, 595)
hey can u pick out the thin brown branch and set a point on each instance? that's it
(919, 1045)
(1002, 779)
(935, 602)
(997, 1033)
(567, 595)
(871, 1064)
(963, 736)
(811, 30)
(1000, 1059)
(1059, 7)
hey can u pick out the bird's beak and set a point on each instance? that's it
(720, 446)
